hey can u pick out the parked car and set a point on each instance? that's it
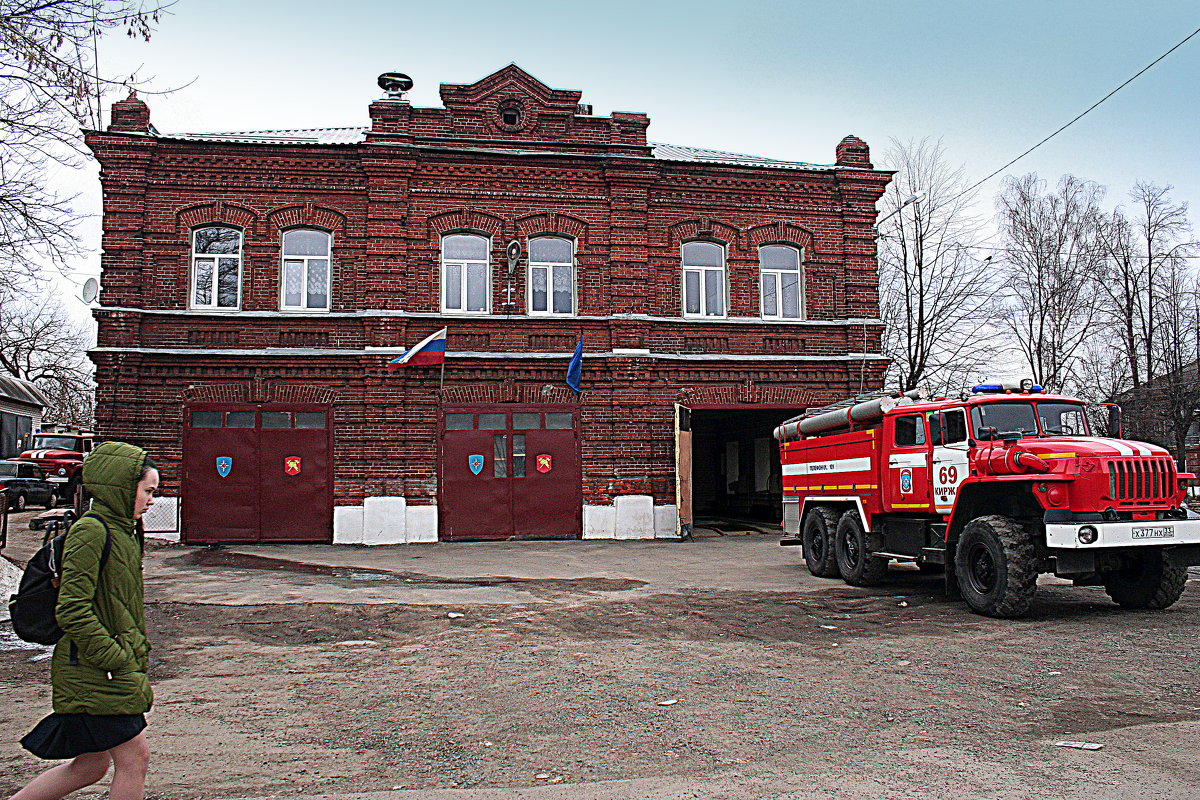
(26, 484)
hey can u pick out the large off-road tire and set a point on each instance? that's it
(853, 553)
(817, 538)
(1146, 580)
(996, 567)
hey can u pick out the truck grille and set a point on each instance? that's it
(1137, 479)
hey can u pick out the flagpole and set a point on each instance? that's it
(442, 381)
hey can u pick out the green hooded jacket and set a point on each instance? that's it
(101, 611)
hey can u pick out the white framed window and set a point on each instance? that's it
(305, 278)
(216, 267)
(551, 275)
(782, 282)
(703, 279)
(465, 282)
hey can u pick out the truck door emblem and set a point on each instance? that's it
(475, 462)
(291, 465)
(906, 485)
(544, 463)
(224, 465)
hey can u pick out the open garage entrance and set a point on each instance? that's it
(727, 465)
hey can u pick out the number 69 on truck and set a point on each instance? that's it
(993, 489)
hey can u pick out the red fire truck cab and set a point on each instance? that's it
(60, 452)
(994, 489)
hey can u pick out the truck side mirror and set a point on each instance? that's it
(1114, 421)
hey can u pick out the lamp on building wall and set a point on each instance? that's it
(513, 252)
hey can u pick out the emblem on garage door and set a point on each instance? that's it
(545, 462)
(291, 465)
(224, 465)
(475, 462)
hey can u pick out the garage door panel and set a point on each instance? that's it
(475, 501)
(546, 500)
(221, 485)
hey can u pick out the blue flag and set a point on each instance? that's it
(575, 368)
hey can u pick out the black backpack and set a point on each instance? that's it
(32, 607)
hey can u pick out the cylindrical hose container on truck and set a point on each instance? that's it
(994, 489)
(60, 454)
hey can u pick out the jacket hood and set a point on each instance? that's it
(111, 474)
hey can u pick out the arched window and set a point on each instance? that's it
(305, 270)
(703, 279)
(551, 275)
(782, 282)
(465, 273)
(216, 267)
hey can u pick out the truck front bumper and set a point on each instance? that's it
(1107, 535)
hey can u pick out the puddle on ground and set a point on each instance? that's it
(232, 560)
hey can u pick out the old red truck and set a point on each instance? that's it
(60, 453)
(994, 488)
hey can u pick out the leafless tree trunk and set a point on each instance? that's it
(936, 290)
(1053, 263)
(49, 87)
(40, 343)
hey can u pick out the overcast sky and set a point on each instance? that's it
(780, 79)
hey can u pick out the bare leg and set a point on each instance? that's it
(130, 763)
(60, 781)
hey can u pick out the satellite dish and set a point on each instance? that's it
(91, 288)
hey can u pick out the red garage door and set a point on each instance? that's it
(257, 473)
(509, 472)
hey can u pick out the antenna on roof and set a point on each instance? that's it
(394, 85)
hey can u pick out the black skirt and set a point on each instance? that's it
(70, 735)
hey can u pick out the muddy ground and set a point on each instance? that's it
(812, 689)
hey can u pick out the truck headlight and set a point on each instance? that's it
(62, 470)
(1088, 534)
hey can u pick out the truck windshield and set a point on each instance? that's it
(8, 469)
(1003, 418)
(1062, 419)
(56, 443)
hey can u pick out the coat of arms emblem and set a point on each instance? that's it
(475, 462)
(224, 465)
(544, 462)
(291, 465)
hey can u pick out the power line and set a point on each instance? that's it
(1081, 116)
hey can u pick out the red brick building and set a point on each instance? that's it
(255, 285)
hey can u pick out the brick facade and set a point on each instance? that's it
(388, 194)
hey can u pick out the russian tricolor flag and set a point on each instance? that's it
(432, 350)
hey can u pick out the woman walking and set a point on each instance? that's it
(101, 691)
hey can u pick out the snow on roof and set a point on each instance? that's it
(326, 136)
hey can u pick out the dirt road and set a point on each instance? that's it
(678, 680)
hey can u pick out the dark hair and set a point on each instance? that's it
(147, 465)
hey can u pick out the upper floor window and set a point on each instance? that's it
(465, 273)
(782, 282)
(216, 267)
(305, 270)
(703, 279)
(551, 276)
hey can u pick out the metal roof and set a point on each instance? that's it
(326, 136)
(20, 391)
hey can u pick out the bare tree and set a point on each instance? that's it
(936, 290)
(49, 87)
(1053, 263)
(40, 343)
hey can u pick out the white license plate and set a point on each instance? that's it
(1160, 532)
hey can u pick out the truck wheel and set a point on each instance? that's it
(1146, 580)
(854, 559)
(995, 566)
(819, 525)
(18, 502)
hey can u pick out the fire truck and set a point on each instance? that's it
(59, 451)
(993, 489)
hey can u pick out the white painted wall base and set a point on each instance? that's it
(666, 522)
(632, 516)
(162, 520)
(385, 520)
